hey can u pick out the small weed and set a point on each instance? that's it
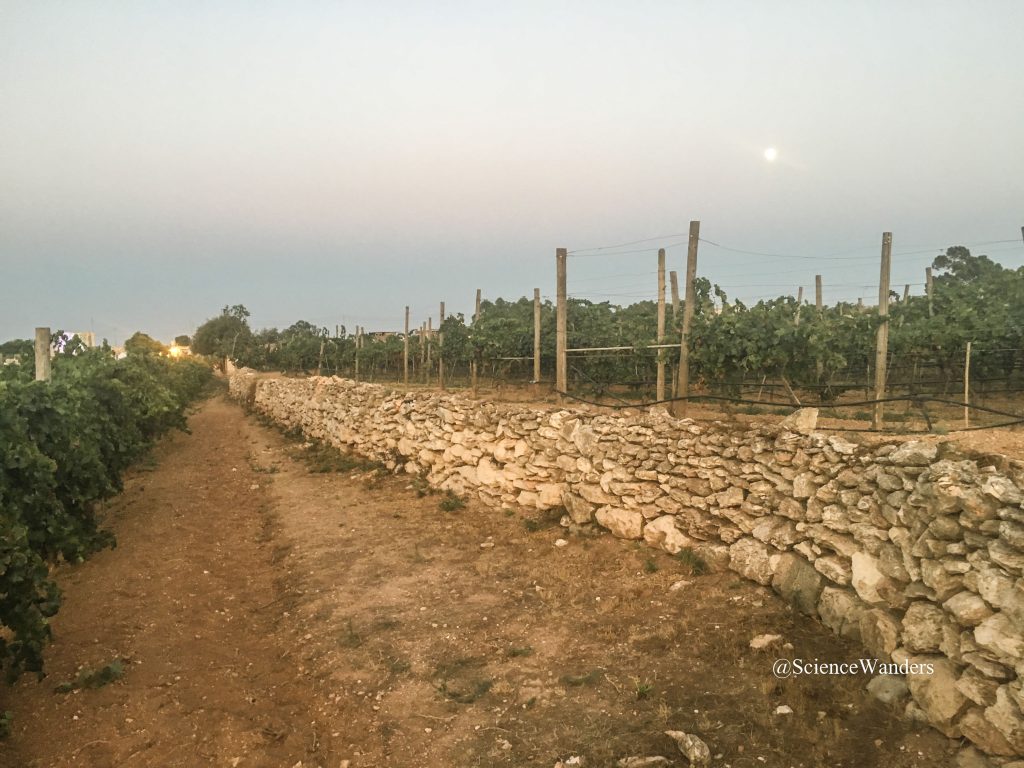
(531, 525)
(526, 650)
(451, 502)
(509, 512)
(385, 623)
(459, 684)
(642, 689)
(322, 458)
(351, 638)
(692, 561)
(650, 566)
(397, 666)
(474, 691)
(577, 681)
(6, 718)
(94, 678)
(422, 487)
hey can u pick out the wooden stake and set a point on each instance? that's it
(967, 386)
(359, 345)
(440, 351)
(799, 304)
(906, 293)
(42, 354)
(660, 386)
(536, 337)
(473, 362)
(882, 336)
(817, 293)
(679, 407)
(430, 344)
(674, 281)
(561, 325)
(405, 352)
(929, 287)
(320, 358)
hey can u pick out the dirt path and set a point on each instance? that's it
(277, 617)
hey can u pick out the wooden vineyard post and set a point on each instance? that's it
(430, 342)
(818, 365)
(882, 336)
(405, 350)
(660, 390)
(561, 326)
(42, 349)
(967, 386)
(799, 304)
(472, 363)
(440, 351)
(679, 407)
(674, 282)
(928, 288)
(536, 337)
(359, 344)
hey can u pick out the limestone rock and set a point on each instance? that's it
(692, 746)
(914, 453)
(936, 693)
(1007, 718)
(967, 608)
(880, 633)
(654, 761)
(797, 582)
(804, 421)
(999, 635)
(762, 642)
(923, 626)
(750, 558)
(663, 532)
(580, 511)
(888, 689)
(840, 611)
(624, 523)
(867, 578)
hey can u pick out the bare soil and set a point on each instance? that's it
(270, 615)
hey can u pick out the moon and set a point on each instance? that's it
(771, 154)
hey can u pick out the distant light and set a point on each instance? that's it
(771, 154)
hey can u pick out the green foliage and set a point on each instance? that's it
(94, 678)
(183, 341)
(732, 345)
(451, 502)
(142, 344)
(66, 445)
(226, 335)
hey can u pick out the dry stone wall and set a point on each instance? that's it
(911, 549)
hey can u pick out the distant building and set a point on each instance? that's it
(88, 338)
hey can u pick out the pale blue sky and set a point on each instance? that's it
(335, 161)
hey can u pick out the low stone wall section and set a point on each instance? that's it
(912, 549)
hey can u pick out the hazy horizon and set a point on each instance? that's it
(336, 163)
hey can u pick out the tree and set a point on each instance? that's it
(225, 335)
(183, 341)
(143, 344)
